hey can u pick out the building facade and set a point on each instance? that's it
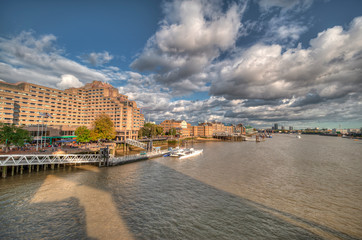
(202, 130)
(62, 111)
(167, 125)
(208, 129)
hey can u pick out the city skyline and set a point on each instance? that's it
(296, 63)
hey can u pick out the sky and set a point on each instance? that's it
(258, 62)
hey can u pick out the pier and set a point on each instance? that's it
(229, 137)
(19, 164)
(113, 161)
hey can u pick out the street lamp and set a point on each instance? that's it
(42, 129)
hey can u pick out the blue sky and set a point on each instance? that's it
(292, 62)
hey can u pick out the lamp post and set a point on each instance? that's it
(45, 133)
(42, 129)
(37, 138)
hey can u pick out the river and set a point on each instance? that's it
(281, 188)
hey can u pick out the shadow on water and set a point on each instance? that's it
(166, 204)
(44, 221)
(22, 219)
(154, 201)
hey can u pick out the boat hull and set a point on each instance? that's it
(195, 153)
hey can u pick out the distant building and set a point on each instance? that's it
(65, 110)
(240, 129)
(290, 128)
(275, 126)
(208, 129)
(182, 127)
(203, 130)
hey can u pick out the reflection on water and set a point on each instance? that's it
(283, 188)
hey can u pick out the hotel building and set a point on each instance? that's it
(62, 111)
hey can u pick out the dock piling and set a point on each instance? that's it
(5, 169)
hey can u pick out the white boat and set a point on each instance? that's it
(177, 152)
(190, 153)
(298, 136)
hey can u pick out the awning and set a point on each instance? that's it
(61, 137)
(51, 139)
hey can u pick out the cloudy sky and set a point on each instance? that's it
(293, 62)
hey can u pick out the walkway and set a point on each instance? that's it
(137, 157)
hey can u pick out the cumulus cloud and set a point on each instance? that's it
(330, 67)
(97, 59)
(265, 83)
(69, 81)
(38, 60)
(192, 35)
(196, 48)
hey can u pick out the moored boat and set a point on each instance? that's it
(190, 153)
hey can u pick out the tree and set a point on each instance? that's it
(150, 130)
(11, 134)
(103, 128)
(172, 132)
(159, 130)
(140, 133)
(83, 134)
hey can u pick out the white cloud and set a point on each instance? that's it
(97, 59)
(334, 58)
(194, 50)
(193, 34)
(38, 60)
(69, 81)
(282, 29)
(285, 5)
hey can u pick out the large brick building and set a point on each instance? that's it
(181, 127)
(203, 130)
(64, 110)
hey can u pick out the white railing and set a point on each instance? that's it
(18, 160)
(136, 143)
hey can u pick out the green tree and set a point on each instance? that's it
(83, 134)
(150, 130)
(159, 130)
(140, 133)
(11, 134)
(103, 128)
(172, 132)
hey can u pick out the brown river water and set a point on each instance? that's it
(282, 188)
